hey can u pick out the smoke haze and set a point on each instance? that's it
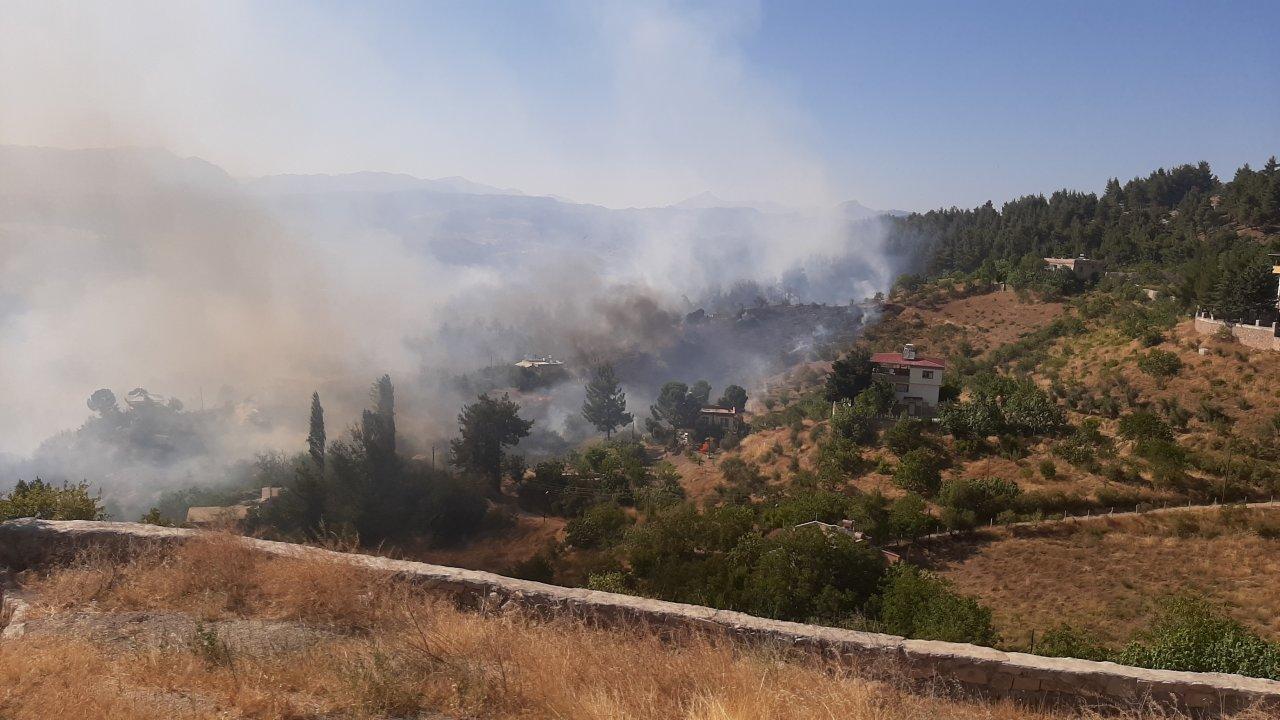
(128, 267)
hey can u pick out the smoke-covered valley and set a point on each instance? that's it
(127, 268)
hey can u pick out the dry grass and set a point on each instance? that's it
(497, 551)
(1235, 378)
(1107, 576)
(404, 655)
(991, 319)
(218, 578)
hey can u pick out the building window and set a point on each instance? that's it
(927, 374)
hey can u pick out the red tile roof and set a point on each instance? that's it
(897, 359)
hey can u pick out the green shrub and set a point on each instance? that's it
(906, 435)
(1143, 425)
(920, 471)
(153, 517)
(1048, 469)
(600, 526)
(1151, 337)
(801, 507)
(42, 500)
(1070, 642)
(917, 604)
(851, 423)
(742, 475)
(984, 497)
(909, 518)
(875, 400)
(978, 418)
(838, 458)
(730, 441)
(1160, 363)
(954, 518)
(1084, 446)
(802, 574)
(614, 582)
(452, 509)
(1160, 451)
(1191, 635)
(1029, 411)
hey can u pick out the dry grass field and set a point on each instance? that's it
(991, 319)
(497, 551)
(279, 639)
(1106, 576)
(1235, 379)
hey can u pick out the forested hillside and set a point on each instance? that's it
(1183, 229)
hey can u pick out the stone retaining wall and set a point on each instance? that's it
(1260, 337)
(969, 668)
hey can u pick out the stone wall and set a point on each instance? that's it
(1261, 337)
(967, 668)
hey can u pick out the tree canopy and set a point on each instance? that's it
(605, 406)
(850, 375)
(486, 427)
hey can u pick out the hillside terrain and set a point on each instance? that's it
(212, 629)
(1104, 580)
(819, 493)
(1106, 577)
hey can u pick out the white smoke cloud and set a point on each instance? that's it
(134, 268)
(674, 109)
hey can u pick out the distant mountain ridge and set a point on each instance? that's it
(707, 241)
(368, 182)
(852, 209)
(28, 171)
(130, 170)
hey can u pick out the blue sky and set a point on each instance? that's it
(899, 105)
(956, 102)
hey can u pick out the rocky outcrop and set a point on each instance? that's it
(973, 669)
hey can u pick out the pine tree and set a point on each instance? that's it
(734, 396)
(1246, 288)
(850, 375)
(316, 438)
(677, 405)
(606, 404)
(486, 427)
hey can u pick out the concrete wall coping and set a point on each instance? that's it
(30, 542)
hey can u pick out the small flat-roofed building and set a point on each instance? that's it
(721, 418)
(1081, 266)
(544, 361)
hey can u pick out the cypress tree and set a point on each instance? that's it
(379, 425)
(316, 438)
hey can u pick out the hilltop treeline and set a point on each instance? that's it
(1172, 227)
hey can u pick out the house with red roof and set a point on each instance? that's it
(916, 379)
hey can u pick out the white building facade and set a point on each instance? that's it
(916, 380)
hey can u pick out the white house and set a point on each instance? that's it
(916, 380)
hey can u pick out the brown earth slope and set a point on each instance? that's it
(1108, 576)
